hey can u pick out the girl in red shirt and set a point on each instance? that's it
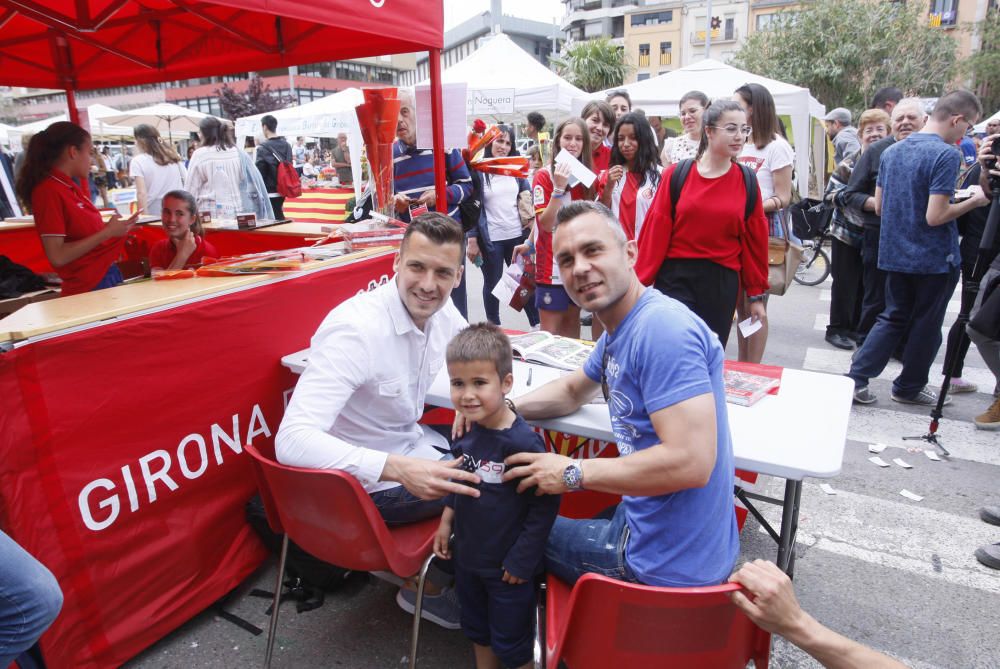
(709, 251)
(557, 313)
(77, 242)
(185, 245)
(599, 119)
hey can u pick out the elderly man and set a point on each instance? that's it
(413, 172)
(843, 135)
(918, 249)
(676, 525)
(371, 361)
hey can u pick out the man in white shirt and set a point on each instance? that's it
(371, 362)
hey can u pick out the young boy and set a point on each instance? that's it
(500, 535)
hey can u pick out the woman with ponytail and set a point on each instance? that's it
(157, 170)
(185, 245)
(77, 242)
(703, 248)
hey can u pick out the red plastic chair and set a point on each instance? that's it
(602, 623)
(330, 516)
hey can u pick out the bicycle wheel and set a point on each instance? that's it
(814, 268)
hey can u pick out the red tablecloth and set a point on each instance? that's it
(121, 466)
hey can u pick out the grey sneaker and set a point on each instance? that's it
(962, 386)
(925, 397)
(863, 395)
(989, 555)
(441, 609)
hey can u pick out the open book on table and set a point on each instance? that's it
(746, 382)
(551, 350)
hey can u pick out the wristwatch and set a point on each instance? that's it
(756, 298)
(573, 477)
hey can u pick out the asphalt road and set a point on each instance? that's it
(892, 573)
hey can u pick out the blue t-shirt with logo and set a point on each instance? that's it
(910, 172)
(660, 355)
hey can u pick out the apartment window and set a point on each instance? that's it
(652, 18)
(643, 55)
(943, 12)
(642, 76)
(594, 29)
(764, 21)
(730, 27)
(665, 49)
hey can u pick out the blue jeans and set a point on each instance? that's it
(112, 278)
(30, 599)
(593, 545)
(399, 506)
(920, 302)
(494, 262)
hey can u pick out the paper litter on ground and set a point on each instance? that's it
(876, 448)
(932, 455)
(902, 463)
(825, 487)
(909, 495)
(876, 460)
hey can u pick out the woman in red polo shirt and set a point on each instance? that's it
(78, 243)
(599, 118)
(704, 256)
(185, 245)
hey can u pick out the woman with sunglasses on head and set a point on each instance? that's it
(77, 242)
(702, 248)
(771, 157)
(557, 313)
(185, 245)
(676, 149)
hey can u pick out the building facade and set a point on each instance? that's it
(653, 36)
(535, 37)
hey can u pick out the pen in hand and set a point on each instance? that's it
(529, 376)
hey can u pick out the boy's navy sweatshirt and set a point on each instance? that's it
(500, 529)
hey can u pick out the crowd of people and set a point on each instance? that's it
(662, 249)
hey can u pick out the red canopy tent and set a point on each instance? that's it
(87, 44)
(114, 609)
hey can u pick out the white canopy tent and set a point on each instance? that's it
(660, 96)
(505, 80)
(99, 129)
(166, 117)
(326, 117)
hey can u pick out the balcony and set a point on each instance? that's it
(718, 36)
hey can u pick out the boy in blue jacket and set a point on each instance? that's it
(499, 536)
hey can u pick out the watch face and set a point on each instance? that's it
(571, 476)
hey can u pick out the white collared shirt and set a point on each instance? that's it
(363, 389)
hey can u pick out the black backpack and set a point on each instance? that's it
(680, 175)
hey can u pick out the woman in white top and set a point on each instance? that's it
(215, 173)
(771, 156)
(500, 226)
(676, 149)
(157, 170)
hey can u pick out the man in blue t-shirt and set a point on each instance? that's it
(660, 369)
(918, 249)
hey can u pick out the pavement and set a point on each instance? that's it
(890, 572)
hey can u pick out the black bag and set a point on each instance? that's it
(810, 217)
(16, 280)
(308, 577)
(470, 207)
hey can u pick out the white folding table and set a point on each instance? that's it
(778, 436)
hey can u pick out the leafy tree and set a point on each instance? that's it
(984, 65)
(593, 65)
(257, 99)
(844, 51)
